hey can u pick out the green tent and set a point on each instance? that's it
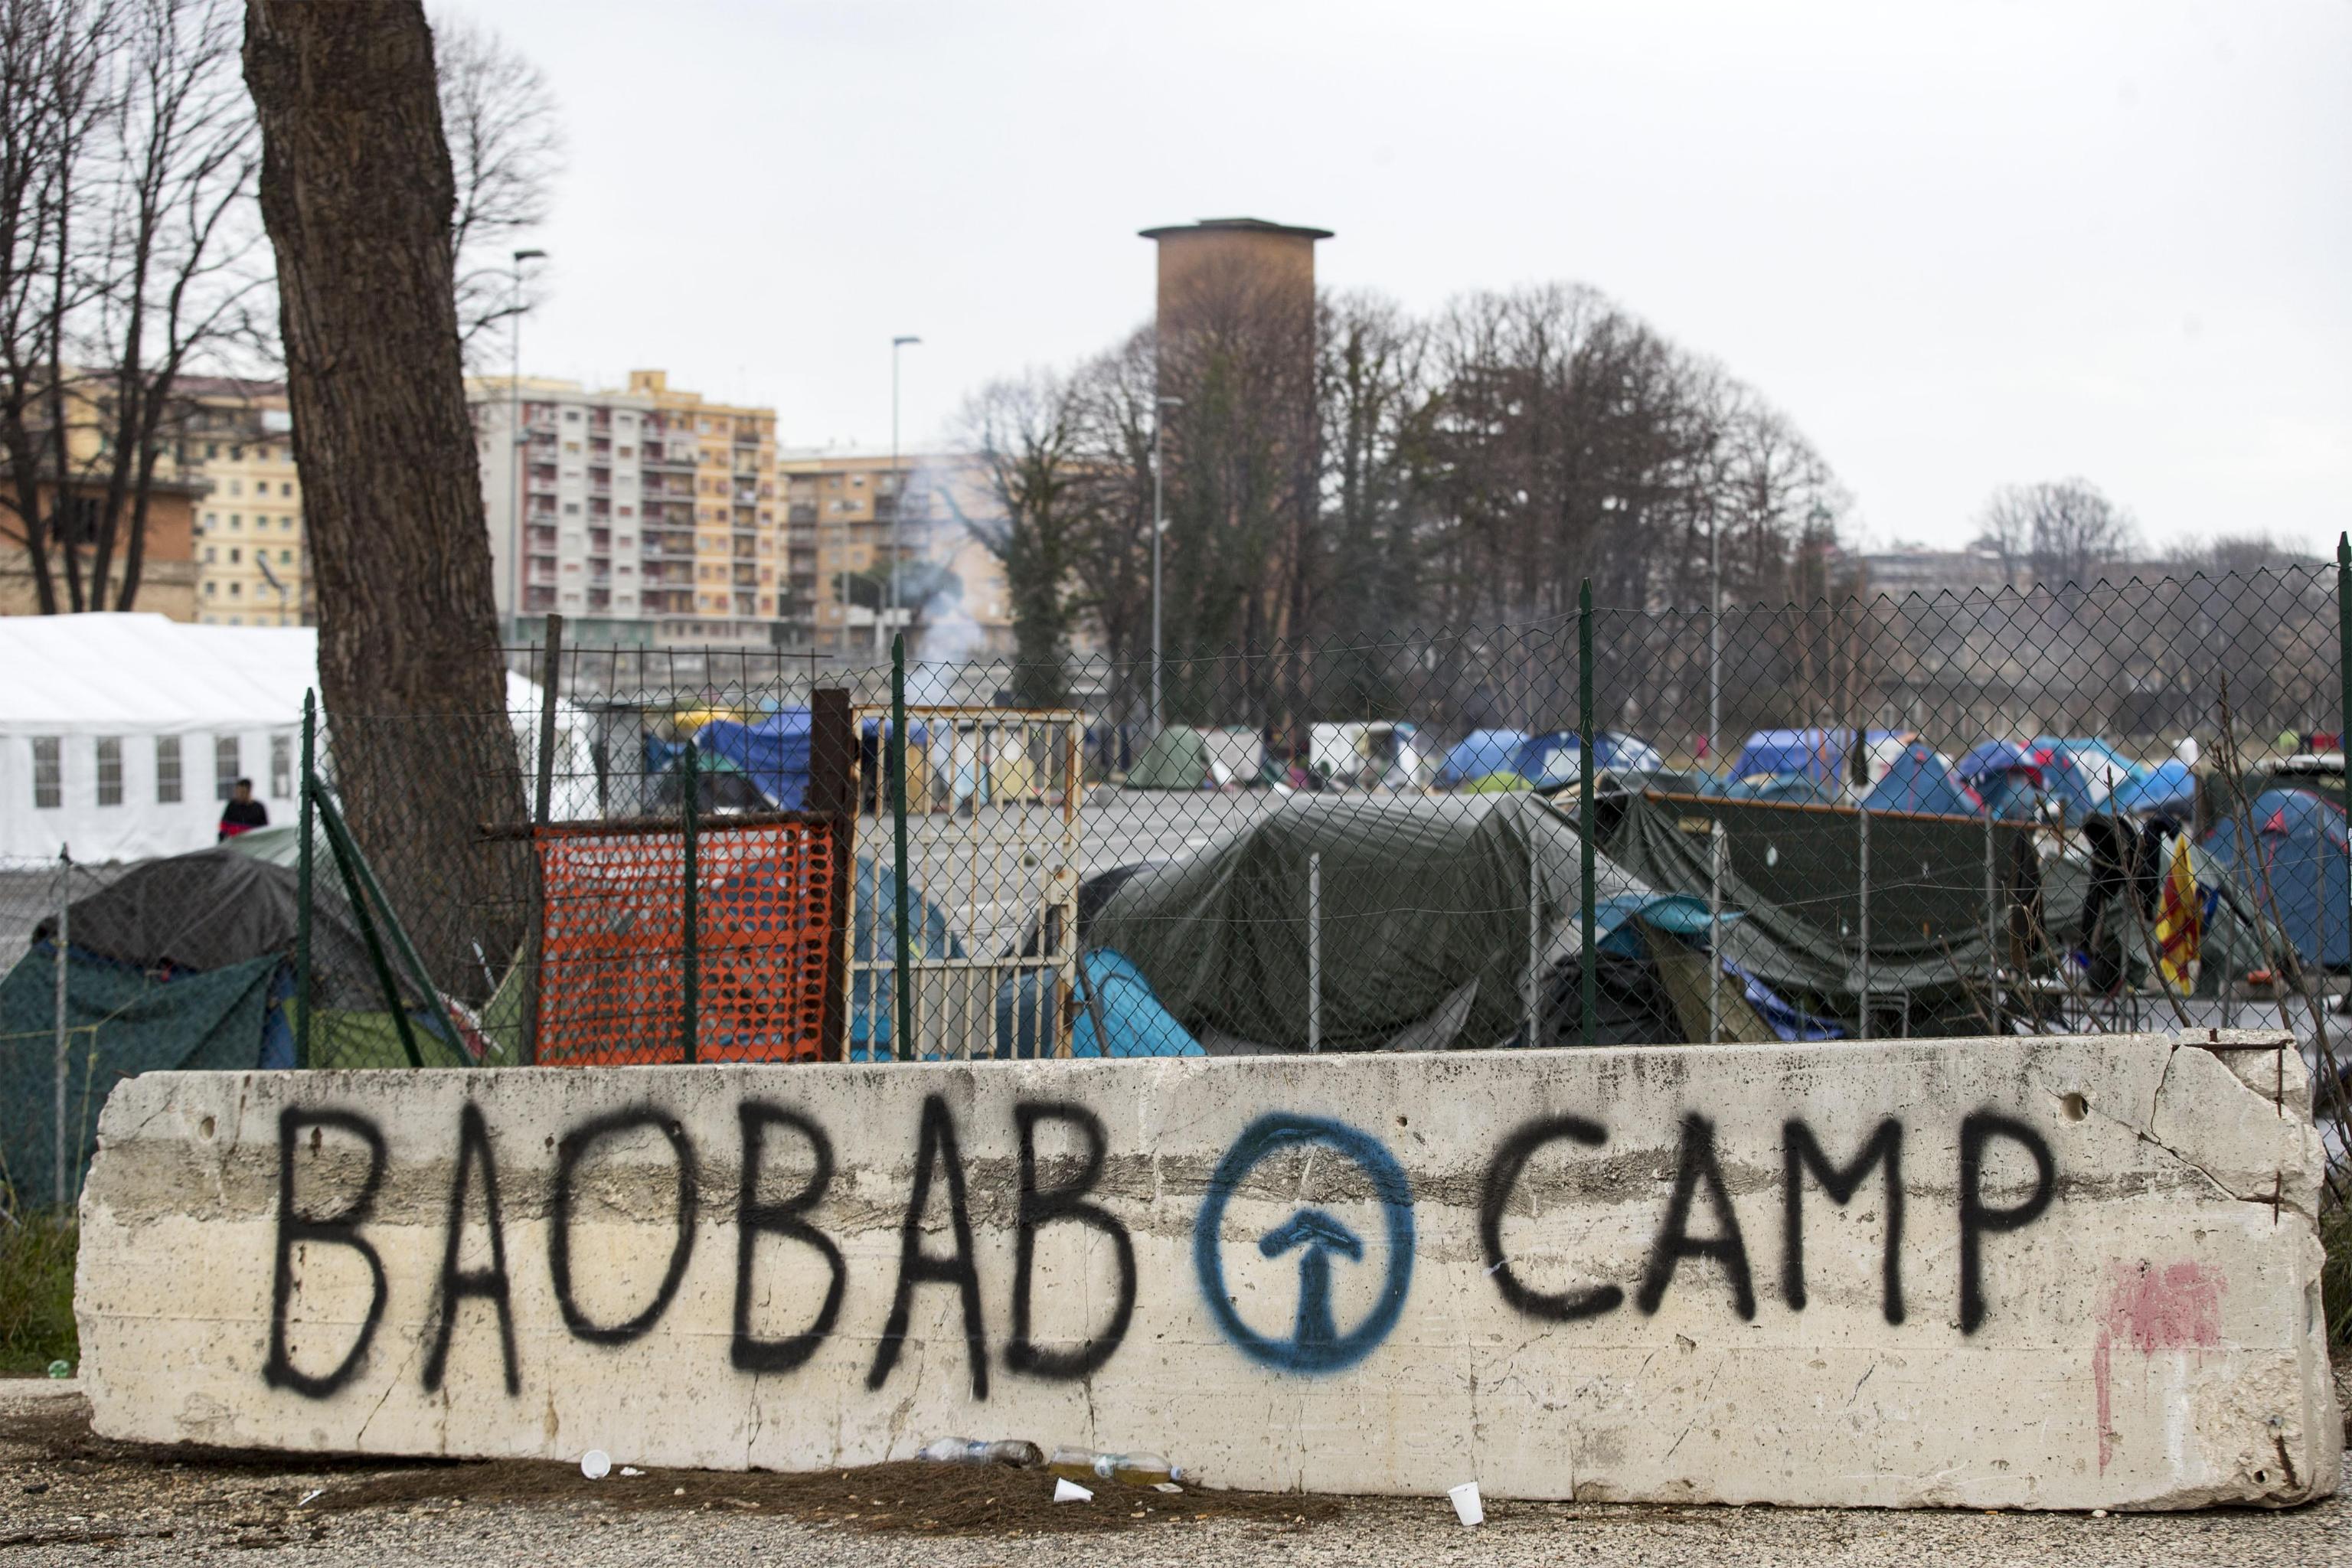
(1183, 757)
(1425, 907)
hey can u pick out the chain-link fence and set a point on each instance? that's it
(62, 1049)
(2102, 808)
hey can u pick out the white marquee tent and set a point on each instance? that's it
(120, 734)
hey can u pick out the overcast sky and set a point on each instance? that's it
(1959, 244)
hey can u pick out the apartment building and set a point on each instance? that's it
(646, 515)
(236, 440)
(76, 503)
(846, 512)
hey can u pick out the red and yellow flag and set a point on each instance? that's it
(2179, 921)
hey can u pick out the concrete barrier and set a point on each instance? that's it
(2045, 1273)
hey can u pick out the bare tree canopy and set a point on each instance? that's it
(2056, 532)
(129, 255)
(1339, 471)
(506, 148)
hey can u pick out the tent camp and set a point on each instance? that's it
(2292, 868)
(187, 962)
(1921, 780)
(1481, 754)
(1425, 911)
(1183, 757)
(1549, 761)
(119, 733)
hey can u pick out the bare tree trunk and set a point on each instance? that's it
(357, 194)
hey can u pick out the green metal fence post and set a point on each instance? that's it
(1590, 1006)
(690, 935)
(306, 869)
(903, 1040)
(2344, 650)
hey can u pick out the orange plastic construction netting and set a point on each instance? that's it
(612, 954)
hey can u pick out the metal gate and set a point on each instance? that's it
(993, 803)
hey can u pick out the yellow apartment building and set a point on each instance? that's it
(236, 438)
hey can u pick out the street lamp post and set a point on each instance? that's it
(898, 488)
(517, 440)
(1714, 637)
(1158, 526)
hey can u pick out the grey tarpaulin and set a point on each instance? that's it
(1421, 897)
(1795, 872)
(214, 907)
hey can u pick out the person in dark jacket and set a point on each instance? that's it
(242, 813)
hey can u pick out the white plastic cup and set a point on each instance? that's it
(1070, 1491)
(595, 1464)
(1466, 1506)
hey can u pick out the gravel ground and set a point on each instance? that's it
(66, 1497)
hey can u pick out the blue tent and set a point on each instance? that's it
(2169, 788)
(774, 751)
(1821, 754)
(1480, 754)
(1549, 759)
(2005, 777)
(1922, 781)
(2083, 772)
(2297, 869)
(873, 992)
(1133, 1021)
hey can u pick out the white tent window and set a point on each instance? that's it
(167, 770)
(281, 767)
(109, 770)
(49, 773)
(227, 767)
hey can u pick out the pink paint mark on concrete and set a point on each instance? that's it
(2152, 1307)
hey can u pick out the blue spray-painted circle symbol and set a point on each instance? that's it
(1315, 1343)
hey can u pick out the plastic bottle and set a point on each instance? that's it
(972, 1451)
(1127, 1469)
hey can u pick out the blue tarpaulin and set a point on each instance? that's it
(774, 751)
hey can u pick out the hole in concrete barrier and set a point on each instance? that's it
(205, 1128)
(2075, 1106)
(1400, 1121)
(2261, 1477)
